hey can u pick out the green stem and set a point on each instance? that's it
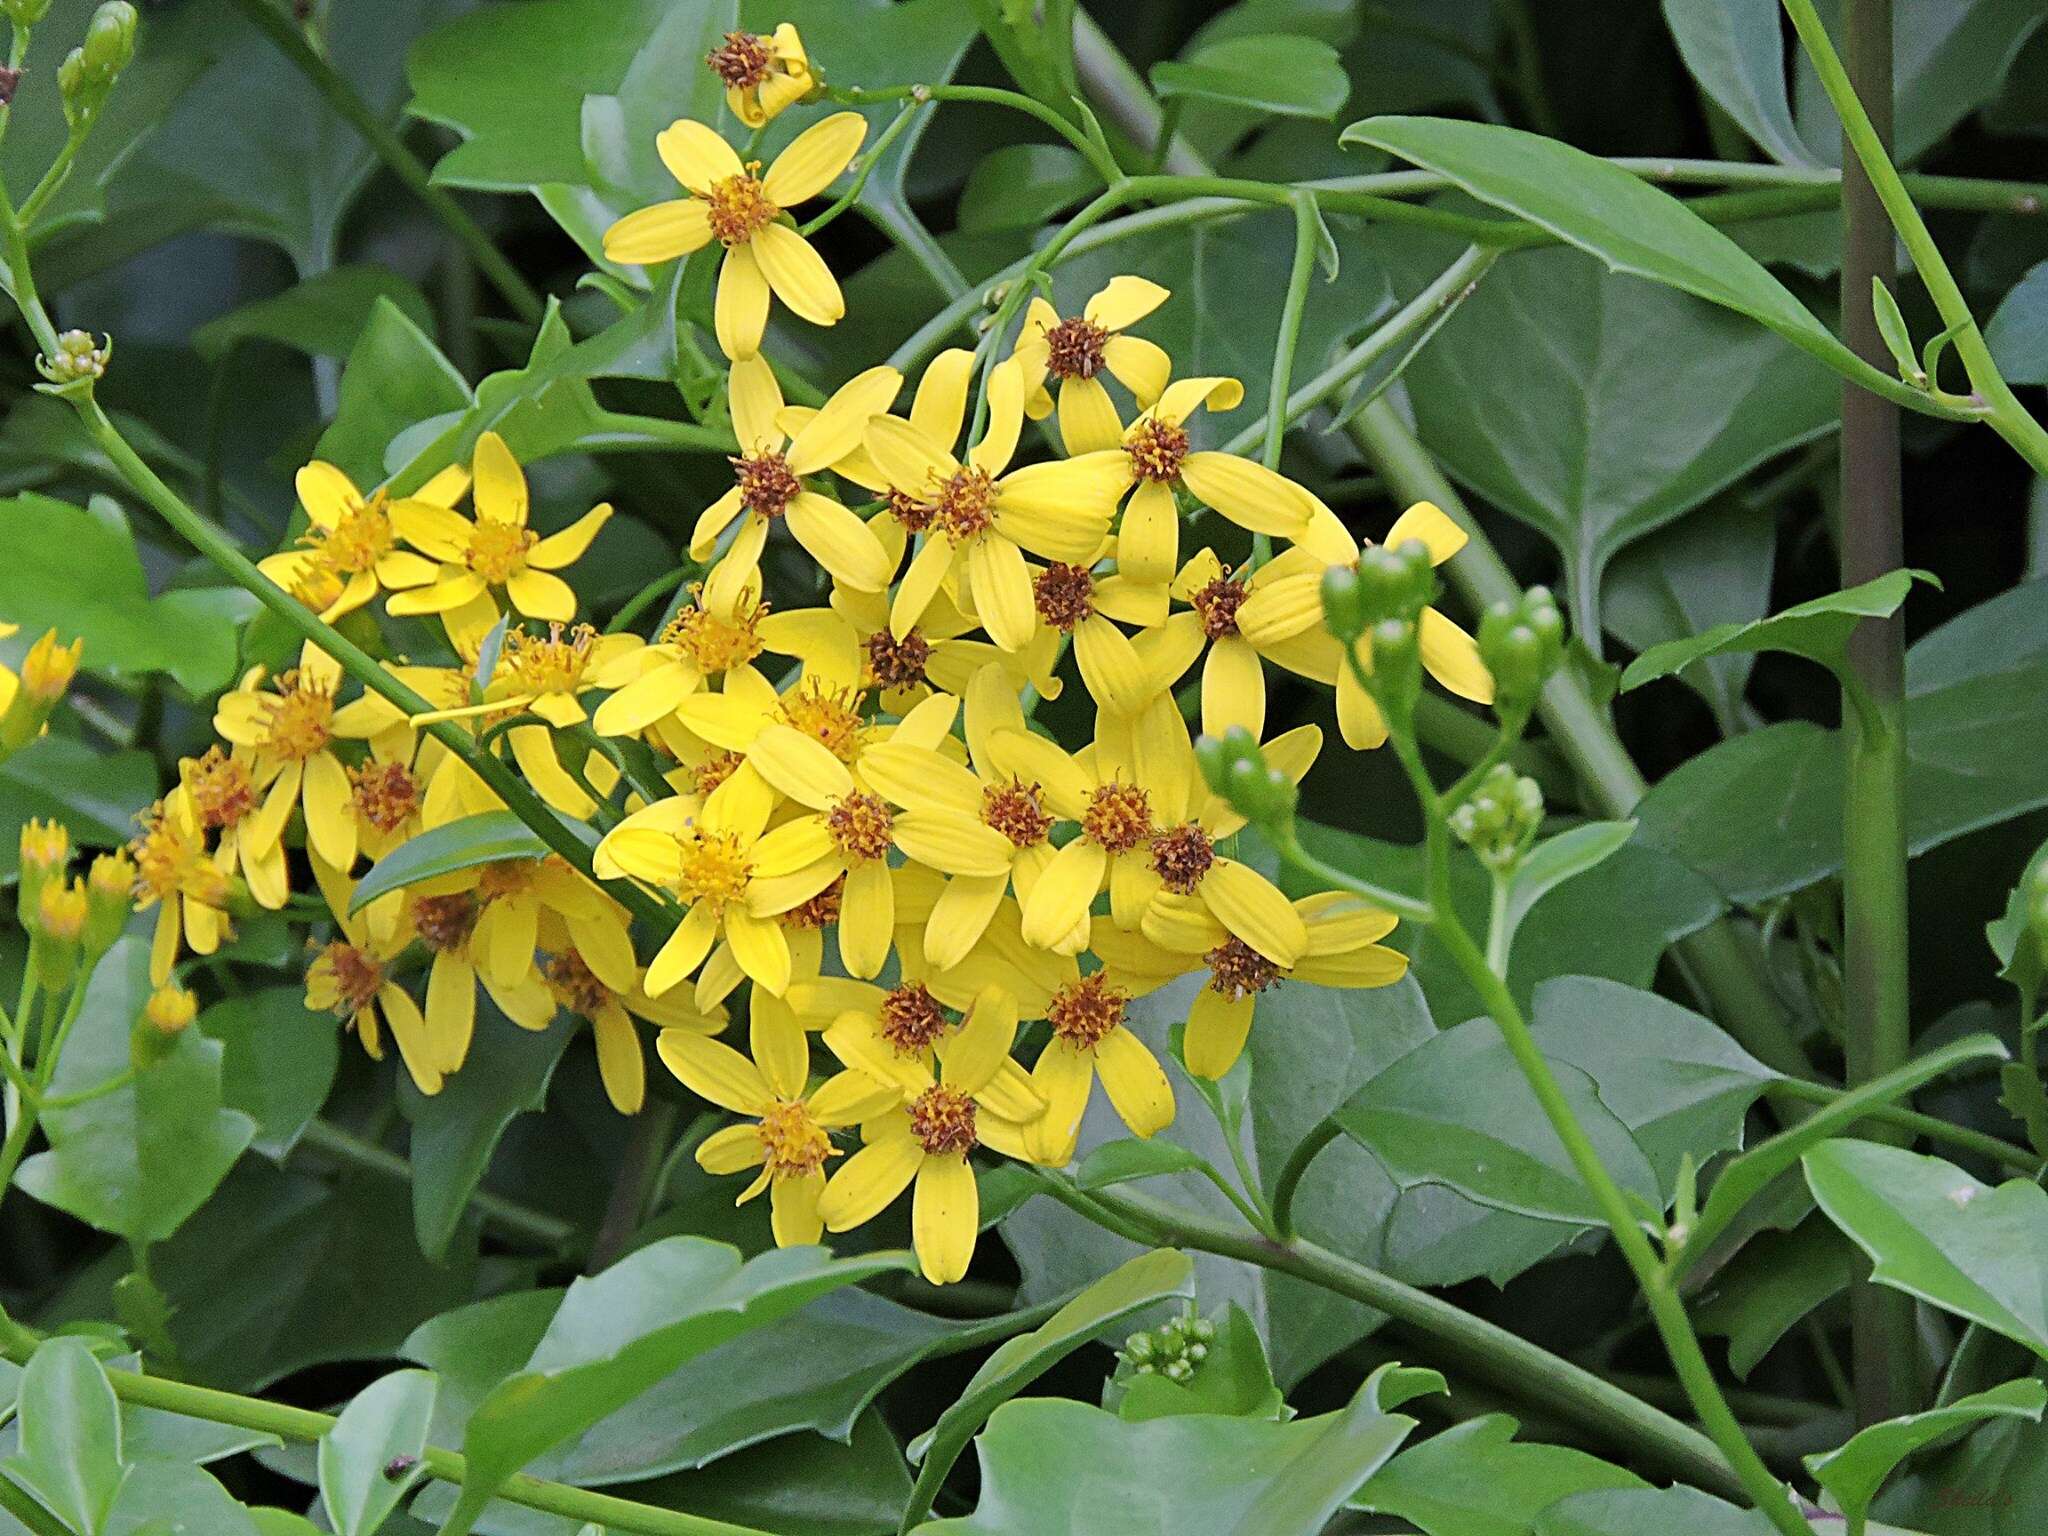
(1491, 1353)
(343, 97)
(26, 1510)
(868, 159)
(1293, 1169)
(1497, 927)
(1914, 1123)
(1405, 906)
(644, 599)
(993, 96)
(113, 1084)
(1308, 229)
(53, 178)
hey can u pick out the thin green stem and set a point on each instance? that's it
(54, 177)
(26, 1510)
(98, 1090)
(1308, 230)
(869, 157)
(1409, 907)
(1258, 1220)
(1016, 101)
(1497, 926)
(384, 141)
(1912, 1121)
(644, 599)
(1291, 1172)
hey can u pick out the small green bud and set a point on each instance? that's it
(25, 13)
(1398, 582)
(73, 87)
(77, 357)
(1234, 767)
(109, 41)
(1396, 669)
(1522, 643)
(1499, 820)
(1344, 613)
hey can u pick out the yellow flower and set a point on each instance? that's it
(789, 1138)
(496, 550)
(221, 789)
(1287, 612)
(611, 1010)
(1182, 935)
(902, 1034)
(745, 213)
(1150, 825)
(762, 74)
(704, 640)
(1074, 351)
(768, 474)
(446, 923)
(1243, 623)
(983, 519)
(174, 873)
(928, 1142)
(517, 896)
(288, 732)
(27, 701)
(1089, 1040)
(350, 546)
(351, 978)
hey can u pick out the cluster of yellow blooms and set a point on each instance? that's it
(891, 791)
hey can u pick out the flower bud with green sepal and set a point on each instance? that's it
(1234, 767)
(167, 1015)
(1394, 677)
(1500, 818)
(78, 359)
(25, 13)
(1522, 643)
(1173, 1350)
(55, 926)
(109, 41)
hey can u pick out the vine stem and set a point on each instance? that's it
(384, 141)
(987, 95)
(1308, 228)
(1305, 1152)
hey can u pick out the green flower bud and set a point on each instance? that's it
(77, 357)
(1522, 643)
(25, 13)
(78, 92)
(1264, 796)
(1498, 822)
(1396, 669)
(1398, 582)
(109, 41)
(1344, 603)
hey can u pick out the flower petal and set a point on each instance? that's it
(870, 1179)
(660, 233)
(1452, 657)
(714, 1071)
(1249, 494)
(567, 546)
(1251, 906)
(1002, 590)
(945, 1218)
(695, 155)
(740, 311)
(840, 542)
(327, 493)
(812, 160)
(798, 274)
(500, 492)
(1429, 523)
(842, 422)
(1216, 1032)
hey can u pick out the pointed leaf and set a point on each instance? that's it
(1854, 1472)
(70, 1459)
(370, 1460)
(452, 846)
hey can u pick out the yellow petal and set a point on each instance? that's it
(619, 1060)
(960, 917)
(1338, 921)
(867, 919)
(731, 1149)
(327, 494)
(793, 1209)
(813, 159)
(1359, 720)
(1112, 669)
(1005, 419)
(840, 542)
(1216, 1032)
(1135, 1082)
(567, 546)
(920, 586)
(415, 1045)
(1140, 366)
(1452, 657)
(740, 312)
(1249, 494)
(1063, 1077)
(1062, 895)
(970, 1056)
(841, 423)
(755, 400)
(851, 1097)
(1433, 526)
(780, 1051)
(1233, 688)
(1124, 301)
(798, 274)
(1148, 540)
(542, 595)
(1279, 610)
(1184, 397)
(761, 948)
(663, 232)
(1374, 965)
(952, 844)
(683, 951)
(330, 810)
(940, 406)
(500, 483)
(1251, 906)
(695, 155)
(870, 1179)
(945, 1218)
(714, 1071)
(918, 777)
(1002, 590)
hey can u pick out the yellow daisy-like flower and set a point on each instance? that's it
(221, 789)
(351, 978)
(762, 74)
(517, 896)
(352, 539)
(1286, 612)
(901, 1035)
(768, 474)
(1343, 950)
(447, 924)
(1150, 825)
(984, 515)
(928, 1142)
(495, 551)
(175, 874)
(1075, 350)
(1089, 1040)
(287, 730)
(1242, 624)
(745, 213)
(611, 1011)
(789, 1138)
(849, 836)
(704, 640)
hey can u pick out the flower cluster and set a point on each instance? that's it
(863, 843)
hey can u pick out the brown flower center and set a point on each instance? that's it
(1013, 810)
(386, 794)
(716, 642)
(497, 549)
(795, 1144)
(220, 787)
(1157, 449)
(894, 663)
(911, 1019)
(1217, 603)
(298, 722)
(741, 61)
(575, 986)
(942, 1120)
(1083, 1012)
(507, 877)
(860, 826)
(1181, 857)
(767, 484)
(914, 515)
(1064, 595)
(445, 922)
(821, 911)
(714, 771)
(1238, 971)
(1074, 349)
(357, 976)
(1118, 818)
(966, 505)
(739, 207)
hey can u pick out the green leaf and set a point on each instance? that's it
(394, 379)
(138, 1161)
(1735, 49)
(1118, 1162)
(1854, 1472)
(2018, 332)
(2019, 958)
(383, 1426)
(1995, 1483)
(324, 316)
(1776, 1279)
(279, 1061)
(1819, 630)
(1234, 1378)
(1047, 1464)
(1117, 1297)
(1599, 207)
(1745, 1177)
(452, 846)
(1552, 862)
(1891, 326)
(1550, 392)
(169, 1498)
(1632, 1511)
(1021, 186)
(1283, 76)
(619, 1333)
(455, 1131)
(1934, 1232)
(70, 1458)
(75, 569)
(1475, 1479)
(96, 795)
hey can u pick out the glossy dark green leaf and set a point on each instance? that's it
(1934, 1232)
(1632, 1511)
(324, 316)
(1476, 1479)
(1234, 1378)
(1818, 629)
(1994, 1483)
(1552, 862)
(1855, 1471)
(139, 1160)
(455, 1131)
(619, 1333)
(169, 1498)
(70, 1457)
(96, 795)
(1020, 186)
(1115, 1299)
(1047, 1464)
(452, 846)
(75, 569)
(395, 377)
(1735, 49)
(1118, 1162)
(1275, 74)
(383, 1426)
(279, 1062)
(2018, 331)
(1775, 1280)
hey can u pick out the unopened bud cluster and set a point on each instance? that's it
(46, 676)
(1500, 819)
(71, 920)
(1379, 601)
(1235, 768)
(1172, 1350)
(77, 357)
(89, 70)
(1522, 643)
